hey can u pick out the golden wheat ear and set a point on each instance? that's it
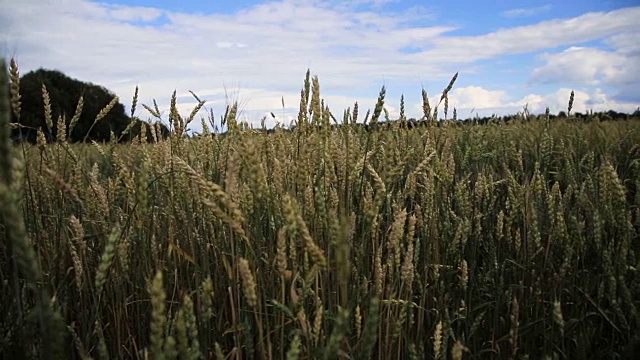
(14, 75)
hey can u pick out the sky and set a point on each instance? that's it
(509, 54)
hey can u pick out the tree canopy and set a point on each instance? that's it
(64, 94)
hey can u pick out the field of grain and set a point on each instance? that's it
(516, 241)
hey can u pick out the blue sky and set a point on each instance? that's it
(508, 53)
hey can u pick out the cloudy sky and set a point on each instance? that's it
(507, 53)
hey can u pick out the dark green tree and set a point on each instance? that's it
(64, 94)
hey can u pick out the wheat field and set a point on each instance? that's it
(500, 241)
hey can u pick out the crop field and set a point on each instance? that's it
(516, 240)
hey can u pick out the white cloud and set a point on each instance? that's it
(267, 48)
(583, 101)
(229, 44)
(619, 69)
(477, 97)
(532, 38)
(626, 43)
(372, 3)
(521, 12)
(134, 13)
(556, 101)
(582, 65)
(486, 102)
